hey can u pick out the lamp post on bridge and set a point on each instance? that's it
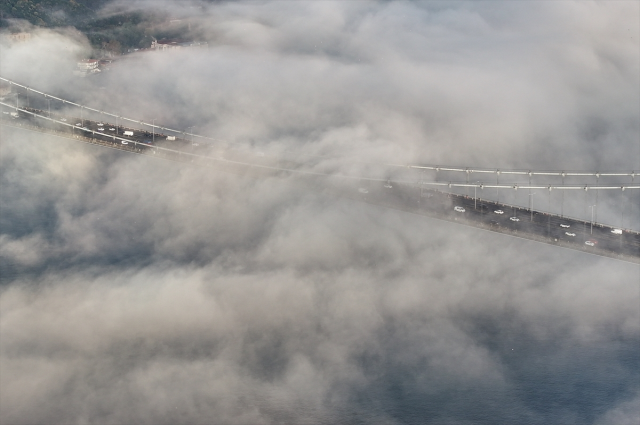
(153, 126)
(475, 207)
(475, 197)
(549, 213)
(596, 203)
(592, 207)
(562, 202)
(497, 188)
(531, 203)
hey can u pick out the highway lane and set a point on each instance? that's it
(537, 222)
(144, 140)
(535, 225)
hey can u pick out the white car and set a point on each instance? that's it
(590, 243)
(79, 124)
(100, 124)
(63, 119)
(616, 231)
(100, 129)
(459, 209)
(514, 219)
(124, 142)
(388, 185)
(566, 226)
(499, 212)
(6, 113)
(569, 234)
(112, 129)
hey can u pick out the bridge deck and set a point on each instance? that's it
(534, 225)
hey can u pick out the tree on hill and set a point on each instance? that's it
(50, 12)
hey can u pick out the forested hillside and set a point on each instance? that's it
(116, 33)
(49, 12)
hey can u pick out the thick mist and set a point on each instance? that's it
(136, 290)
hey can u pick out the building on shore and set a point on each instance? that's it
(15, 37)
(175, 44)
(88, 65)
(20, 37)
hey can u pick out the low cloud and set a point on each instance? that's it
(136, 290)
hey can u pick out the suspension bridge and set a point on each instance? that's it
(428, 189)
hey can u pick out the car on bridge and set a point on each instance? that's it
(591, 242)
(616, 231)
(569, 234)
(459, 209)
(566, 226)
(514, 219)
(499, 212)
(388, 184)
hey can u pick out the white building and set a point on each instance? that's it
(175, 44)
(20, 36)
(163, 45)
(88, 65)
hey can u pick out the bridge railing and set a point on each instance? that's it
(437, 168)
